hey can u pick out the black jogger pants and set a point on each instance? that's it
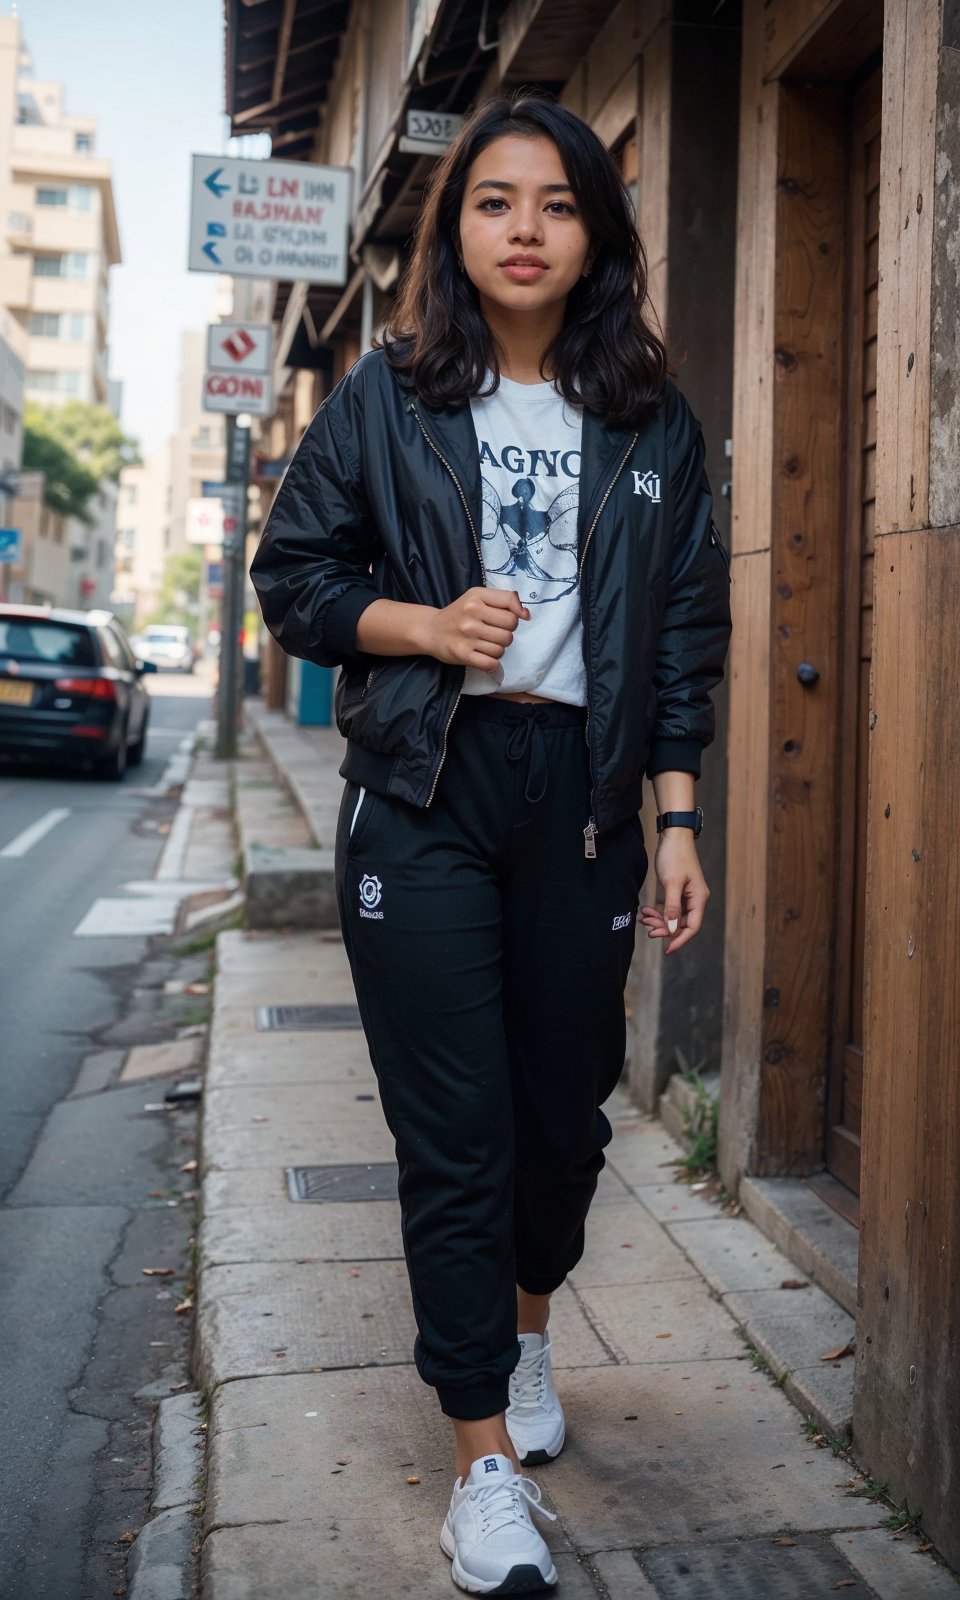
(489, 955)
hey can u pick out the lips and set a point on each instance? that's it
(523, 269)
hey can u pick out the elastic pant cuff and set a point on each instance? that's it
(473, 1405)
(530, 1284)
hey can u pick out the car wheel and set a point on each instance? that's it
(136, 752)
(114, 766)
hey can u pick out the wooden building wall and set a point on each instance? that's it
(907, 1396)
(807, 585)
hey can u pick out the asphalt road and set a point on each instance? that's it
(75, 1225)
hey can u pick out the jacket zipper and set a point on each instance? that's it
(590, 831)
(466, 506)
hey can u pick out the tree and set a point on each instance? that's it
(94, 436)
(69, 485)
(178, 600)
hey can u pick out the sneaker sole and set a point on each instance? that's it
(542, 1458)
(526, 1579)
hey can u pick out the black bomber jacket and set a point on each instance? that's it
(383, 499)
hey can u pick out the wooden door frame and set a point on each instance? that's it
(806, 591)
(838, 1151)
(785, 738)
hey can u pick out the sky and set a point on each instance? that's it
(153, 76)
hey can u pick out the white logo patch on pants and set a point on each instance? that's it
(622, 922)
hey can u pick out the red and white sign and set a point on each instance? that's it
(236, 392)
(239, 347)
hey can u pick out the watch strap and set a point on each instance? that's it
(681, 819)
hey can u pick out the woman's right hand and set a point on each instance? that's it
(476, 629)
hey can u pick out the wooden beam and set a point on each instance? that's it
(283, 45)
(807, 544)
(907, 188)
(748, 740)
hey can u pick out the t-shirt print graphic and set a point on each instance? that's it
(540, 545)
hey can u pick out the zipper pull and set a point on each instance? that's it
(590, 840)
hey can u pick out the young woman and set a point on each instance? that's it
(499, 526)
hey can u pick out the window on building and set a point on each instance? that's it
(81, 197)
(53, 197)
(130, 493)
(203, 435)
(78, 264)
(10, 419)
(79, 325)
(45, 325)
(41, 381)
(50, 266)
(129, 537)
(83, 143)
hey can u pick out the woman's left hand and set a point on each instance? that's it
(685, 892)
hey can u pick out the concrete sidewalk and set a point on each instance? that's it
(688, 1472)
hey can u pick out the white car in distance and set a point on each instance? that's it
(168, 646)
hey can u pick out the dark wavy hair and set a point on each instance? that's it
(606, 356)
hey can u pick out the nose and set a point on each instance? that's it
(527, 223)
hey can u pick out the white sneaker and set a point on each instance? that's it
(534, 1415)
(489, 1536)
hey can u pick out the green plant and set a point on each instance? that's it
(701, 1123)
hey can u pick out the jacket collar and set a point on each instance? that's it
(453, 432)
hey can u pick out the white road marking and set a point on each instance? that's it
(32, 835)
(128, 918)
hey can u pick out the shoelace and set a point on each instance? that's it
(499, 1504)
(528, 1379)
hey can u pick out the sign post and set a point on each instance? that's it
(11, 555)
(238, 368)
(269, 219)
(234, 547)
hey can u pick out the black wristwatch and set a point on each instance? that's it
(681, 819)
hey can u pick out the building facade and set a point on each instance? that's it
(59, 233)
(143, 535)
(793, 163)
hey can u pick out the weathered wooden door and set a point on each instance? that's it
(863, 205)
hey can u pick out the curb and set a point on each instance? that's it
(162, 1564)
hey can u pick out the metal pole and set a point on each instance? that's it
(234, 547)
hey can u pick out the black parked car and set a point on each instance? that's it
(70, 686)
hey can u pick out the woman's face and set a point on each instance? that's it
(522, 239)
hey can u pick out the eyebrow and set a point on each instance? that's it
(545, 188)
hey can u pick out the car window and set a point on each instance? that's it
(177, 635)
(126, 653)
(37, 639)
(111, 648)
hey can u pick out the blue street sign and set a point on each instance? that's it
(214, 572)
(11, 550)
(211, 490)
(211, 183)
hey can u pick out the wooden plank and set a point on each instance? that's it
(753, 364)
(910, 56)
(907, 1397)
(654, 207)
(807, 579)
(748, 740)
(944, 501)
(748, 825)
(819, 41)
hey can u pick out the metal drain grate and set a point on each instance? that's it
(806, 1570)
(378, 1181)
(305, 1019)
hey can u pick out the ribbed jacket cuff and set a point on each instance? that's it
(674, 755)
(341, 618)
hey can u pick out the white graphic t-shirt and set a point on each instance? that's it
(529, 441)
